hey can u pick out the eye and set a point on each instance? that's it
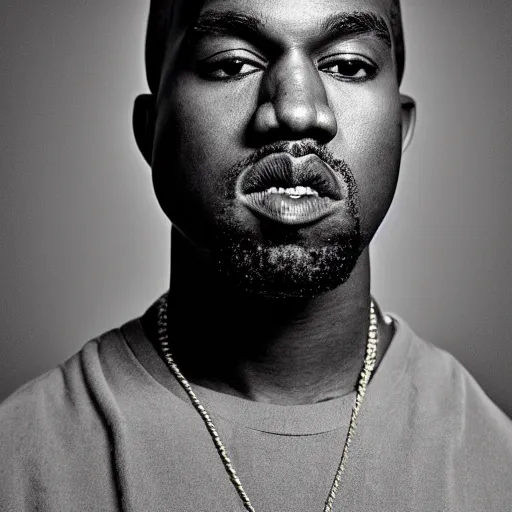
(228, 68)
(349, 69)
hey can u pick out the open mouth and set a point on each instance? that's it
(290, 190)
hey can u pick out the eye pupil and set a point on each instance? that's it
(349, 68)
(232, 67)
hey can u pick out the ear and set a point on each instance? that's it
(408, 120)
(143, 120)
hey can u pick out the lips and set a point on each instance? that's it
(290, 190)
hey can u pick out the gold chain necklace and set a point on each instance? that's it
(364, 378)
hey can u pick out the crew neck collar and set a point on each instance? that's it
(295, 420)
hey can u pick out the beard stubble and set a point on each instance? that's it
(282, 261)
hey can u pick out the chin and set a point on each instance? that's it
(286, 270)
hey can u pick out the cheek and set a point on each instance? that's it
(369, 139)
(209, 123)
(200, 135)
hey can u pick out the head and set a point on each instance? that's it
(275, 132)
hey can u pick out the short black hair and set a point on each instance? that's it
(163, 12)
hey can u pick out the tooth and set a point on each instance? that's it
(301, 190)
(281, 190)
(273, 190)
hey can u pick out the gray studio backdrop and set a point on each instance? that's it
(84, 246)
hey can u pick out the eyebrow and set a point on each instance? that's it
(344, 24)
(227, 23)
(356, 23)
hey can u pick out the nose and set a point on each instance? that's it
(293, 103)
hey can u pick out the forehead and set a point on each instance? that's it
(297, 15)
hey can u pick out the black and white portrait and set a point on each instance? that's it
(255, 255)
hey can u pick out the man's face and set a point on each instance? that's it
(278, 138)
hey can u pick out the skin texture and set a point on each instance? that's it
(284, 343)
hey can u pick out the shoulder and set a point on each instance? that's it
(51, 425)
(49, 405)
(446, 401)
(67, 393)
(443, 380)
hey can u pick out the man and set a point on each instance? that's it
(274, 131)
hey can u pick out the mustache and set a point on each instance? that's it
(296, 149)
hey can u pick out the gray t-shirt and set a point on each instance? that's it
(111, 430)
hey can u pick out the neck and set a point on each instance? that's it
(283, 351)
